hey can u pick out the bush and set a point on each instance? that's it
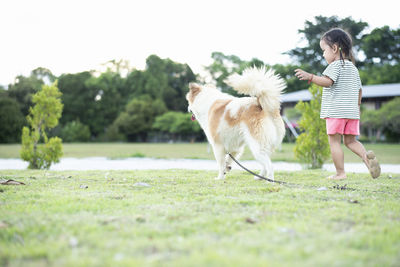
(112, 134)
(385, 120)
(312, 145)
(75, 131)
(177, 124)
(43, 116)
(390, 114)
(136, 121)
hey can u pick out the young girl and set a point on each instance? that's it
(341, 100)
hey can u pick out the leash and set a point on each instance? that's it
(270, 180)
(255, 174)
(335, 187)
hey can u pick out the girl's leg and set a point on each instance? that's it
(368, 157)
(337, 156)
(351, 143)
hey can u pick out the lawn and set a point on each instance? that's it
(387, 153)
(186, 218)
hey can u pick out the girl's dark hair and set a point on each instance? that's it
(342, 39)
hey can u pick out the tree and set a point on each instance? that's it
(391, 114)
(225, 65)
(97, 101)
(382, 46)
(44, 75)
(310, 54)
(94, 101)
(75, 131)
(79, 99)
(109, 100)
(177, 124)
(122, 67)
(23, 89)
(179, 76)
(184, 126)
(165, 121)
(11, 120)
(372, 124)
(139, 115)
(222, 66)
(162, 79)
(43, 116)
(382, 51)
(385, 120)
(287, 73)
(312, 145)
(380, 74)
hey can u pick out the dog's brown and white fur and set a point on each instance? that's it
(231, 122)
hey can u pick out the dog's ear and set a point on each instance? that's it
(194, 90)
(194, 86)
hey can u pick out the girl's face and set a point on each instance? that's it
(330, 53)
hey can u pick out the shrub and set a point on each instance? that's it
(177, 124)
(312, 145)
(43, 116)
(385, 120)
(75, 131)
(136, 121)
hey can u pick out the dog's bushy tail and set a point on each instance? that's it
(261, 83)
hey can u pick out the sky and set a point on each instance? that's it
(70, 36)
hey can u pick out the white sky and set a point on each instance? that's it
(69, 36)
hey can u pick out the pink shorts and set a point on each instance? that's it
(342, 126)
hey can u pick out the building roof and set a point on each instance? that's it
(368, 91)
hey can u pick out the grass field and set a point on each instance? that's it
(387, 153)
(186, 218)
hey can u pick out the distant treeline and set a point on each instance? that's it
(125, 104)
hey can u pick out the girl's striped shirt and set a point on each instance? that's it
(341, 99)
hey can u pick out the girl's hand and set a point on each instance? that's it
(323, 81)
(302, 75)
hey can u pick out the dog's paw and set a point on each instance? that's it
(228, 168)
(219, 178)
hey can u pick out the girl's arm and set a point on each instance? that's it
(318, 80)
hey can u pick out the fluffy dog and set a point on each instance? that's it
(231, 122)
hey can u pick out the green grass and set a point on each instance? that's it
(186, 218)
(387, 153)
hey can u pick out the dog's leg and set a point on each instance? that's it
(236, 155)
(228, 162)
(270, 169)
(266, 164)
(262, 157)
(219, 154)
